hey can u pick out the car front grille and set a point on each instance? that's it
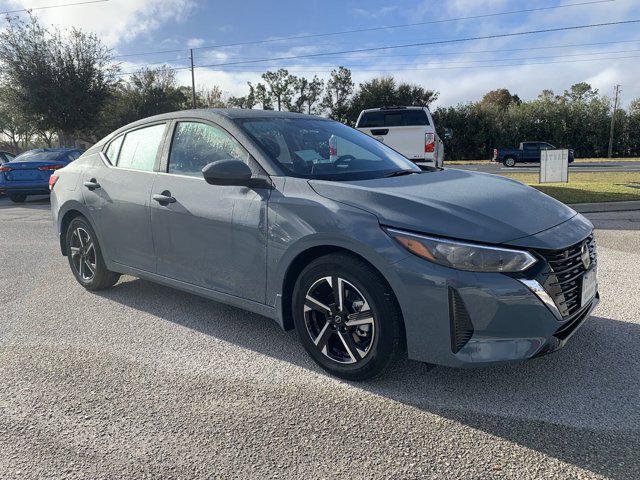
(563, 280)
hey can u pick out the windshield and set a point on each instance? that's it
(324, 149)
(37, 157)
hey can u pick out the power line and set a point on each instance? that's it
(494, 65)
(459, 52)
(372, 29)
(47, 7)
(421, 44)
(547, 47)
(349, 65)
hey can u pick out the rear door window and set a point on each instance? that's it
(394, 118)
(195, 145)
(140, 148)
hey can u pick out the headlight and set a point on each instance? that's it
(464, 256)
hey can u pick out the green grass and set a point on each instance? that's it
(578, 160)
(588, 187)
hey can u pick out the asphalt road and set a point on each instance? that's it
(494, 167)
(142, 381)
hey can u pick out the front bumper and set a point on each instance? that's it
(509, 322)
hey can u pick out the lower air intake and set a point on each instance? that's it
(461, 326)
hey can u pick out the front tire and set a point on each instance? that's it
(347, 317)
(85, 257)
(17, 197)
(509, 162)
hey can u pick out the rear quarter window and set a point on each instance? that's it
(394, 118)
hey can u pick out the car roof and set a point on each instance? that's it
(391, 108)
(218, 115)
(53, 150)
(227, 113)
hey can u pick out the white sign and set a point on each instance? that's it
(554, 166)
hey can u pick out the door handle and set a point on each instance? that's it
(92, 184)
(382, 131)
(164, 197)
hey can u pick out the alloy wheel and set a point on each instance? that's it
(83, 254)
(339, 320)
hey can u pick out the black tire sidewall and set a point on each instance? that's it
(509, 159)
(387, 340)
(102, 274)
(17, 198)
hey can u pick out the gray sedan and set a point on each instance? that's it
(328, 231)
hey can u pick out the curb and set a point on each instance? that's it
(606, 207)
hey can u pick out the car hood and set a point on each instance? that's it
(452, 203)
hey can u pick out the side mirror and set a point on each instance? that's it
(232, 172)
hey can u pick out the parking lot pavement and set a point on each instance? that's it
(144, 381)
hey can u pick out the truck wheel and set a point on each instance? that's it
(509, 162)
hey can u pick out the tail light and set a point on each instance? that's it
(333, 146)
(52, 180)
(50, 167)
(430, 142)
(4, 168)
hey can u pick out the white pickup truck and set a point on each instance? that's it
(408, 130)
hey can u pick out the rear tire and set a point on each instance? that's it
(361, 339)
(17, 197)
(509, 162)
(85, 257)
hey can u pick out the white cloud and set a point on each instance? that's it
(116, 21)
(375, 12)
(195, 42)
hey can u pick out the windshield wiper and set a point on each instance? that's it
(399, 173)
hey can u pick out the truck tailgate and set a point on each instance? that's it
(409, 141)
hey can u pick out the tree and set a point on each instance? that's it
(263, 97)
(314, 91)
(148, 92)
(581, 92)
(339, 89)
(384, 91)
(210, 98)
(58, 82)
(13, 126)
(281, 85)
(300, 90)
(248, 101)
(500, 98)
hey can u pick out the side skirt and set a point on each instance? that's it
(243, 303)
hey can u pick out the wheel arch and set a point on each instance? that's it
(65, 217)
(64, 225)
(301, 260)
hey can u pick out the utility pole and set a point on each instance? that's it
(613, 120)
(193, 81)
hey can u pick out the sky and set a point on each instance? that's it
(460, 72)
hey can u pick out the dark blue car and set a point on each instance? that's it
(29, 172)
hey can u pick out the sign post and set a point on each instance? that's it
(554, 166)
